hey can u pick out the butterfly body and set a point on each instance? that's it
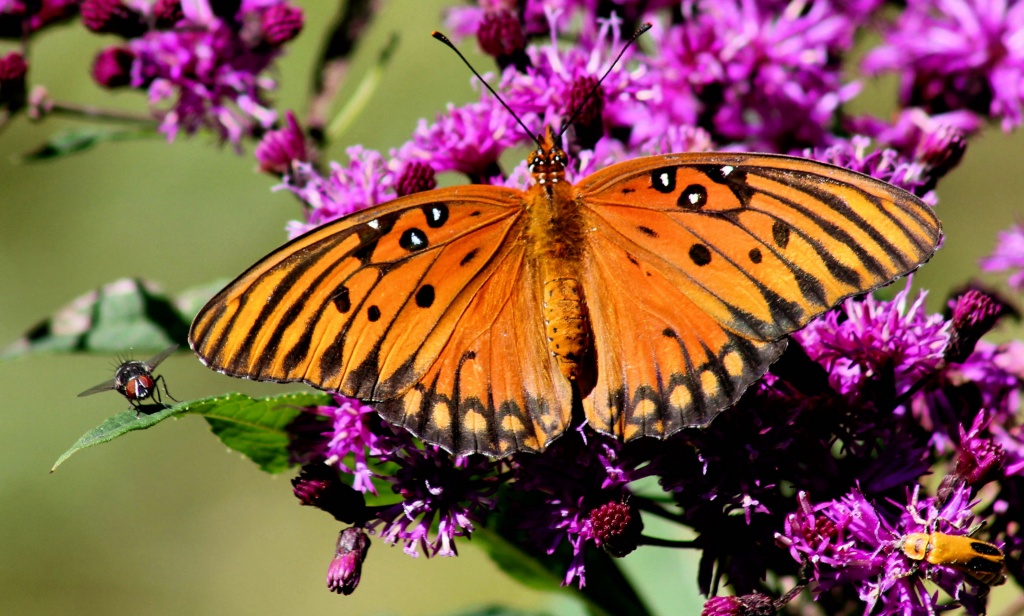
(555, 236)
(655, 291)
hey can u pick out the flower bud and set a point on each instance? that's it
(974, 314)
(344, 571)
(318, 486)
(416, 177)
(112, 17)
(112, 67)
(501, 36)
(278, 149)
(12, 80)
(281, 23)
(616, 527)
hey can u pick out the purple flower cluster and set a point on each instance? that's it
(20, 18)
(1009, 256)
(817, 473)
(205, 62)
(957, 55)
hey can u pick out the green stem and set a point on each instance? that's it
(98, 113)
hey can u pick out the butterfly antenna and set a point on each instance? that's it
(444, 39)
(639, 32)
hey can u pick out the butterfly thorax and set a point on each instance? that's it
(555, 237)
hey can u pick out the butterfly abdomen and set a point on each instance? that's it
(565, 320)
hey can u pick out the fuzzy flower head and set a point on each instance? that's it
(368, 179)
(958, 54)
(753, 75)
(441, 496)
(854, 540)
(870, 339)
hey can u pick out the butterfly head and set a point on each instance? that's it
(547, 162)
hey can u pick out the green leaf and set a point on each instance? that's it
(521, 566)
(253, 427)
(125, 315)
(79, 140)
(256, 428)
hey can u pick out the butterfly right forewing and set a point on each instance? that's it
(701, 263)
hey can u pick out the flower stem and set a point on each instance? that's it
(99, 113)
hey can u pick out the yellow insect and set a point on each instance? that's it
(980, 560)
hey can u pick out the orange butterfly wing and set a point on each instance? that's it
(698, 264)
(425, 304)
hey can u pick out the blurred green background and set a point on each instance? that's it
(167, 520)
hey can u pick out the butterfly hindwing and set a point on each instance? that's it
(494, 388)
(663, 363)
(722, 255)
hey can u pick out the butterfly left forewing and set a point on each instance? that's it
(425, 306)
(756, 244)
(323, 308)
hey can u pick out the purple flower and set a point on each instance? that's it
(886, 164)
(868, 339)
(208, 66)
(853, 540)
(957, 54)
(466, 139)
(751, 75)
(280, 149)
(1008, 256)
(367, 181)
(355, 435)
(579, 474)
(435, 488)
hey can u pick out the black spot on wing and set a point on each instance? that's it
(436, 213)
(425, 296)
(693, 197)
(700, 254)
(469, 257)
(413, 240)
(341, 299)
(664, 180)
(780, 234)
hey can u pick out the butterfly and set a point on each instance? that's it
(653, 292)
(134, 380)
